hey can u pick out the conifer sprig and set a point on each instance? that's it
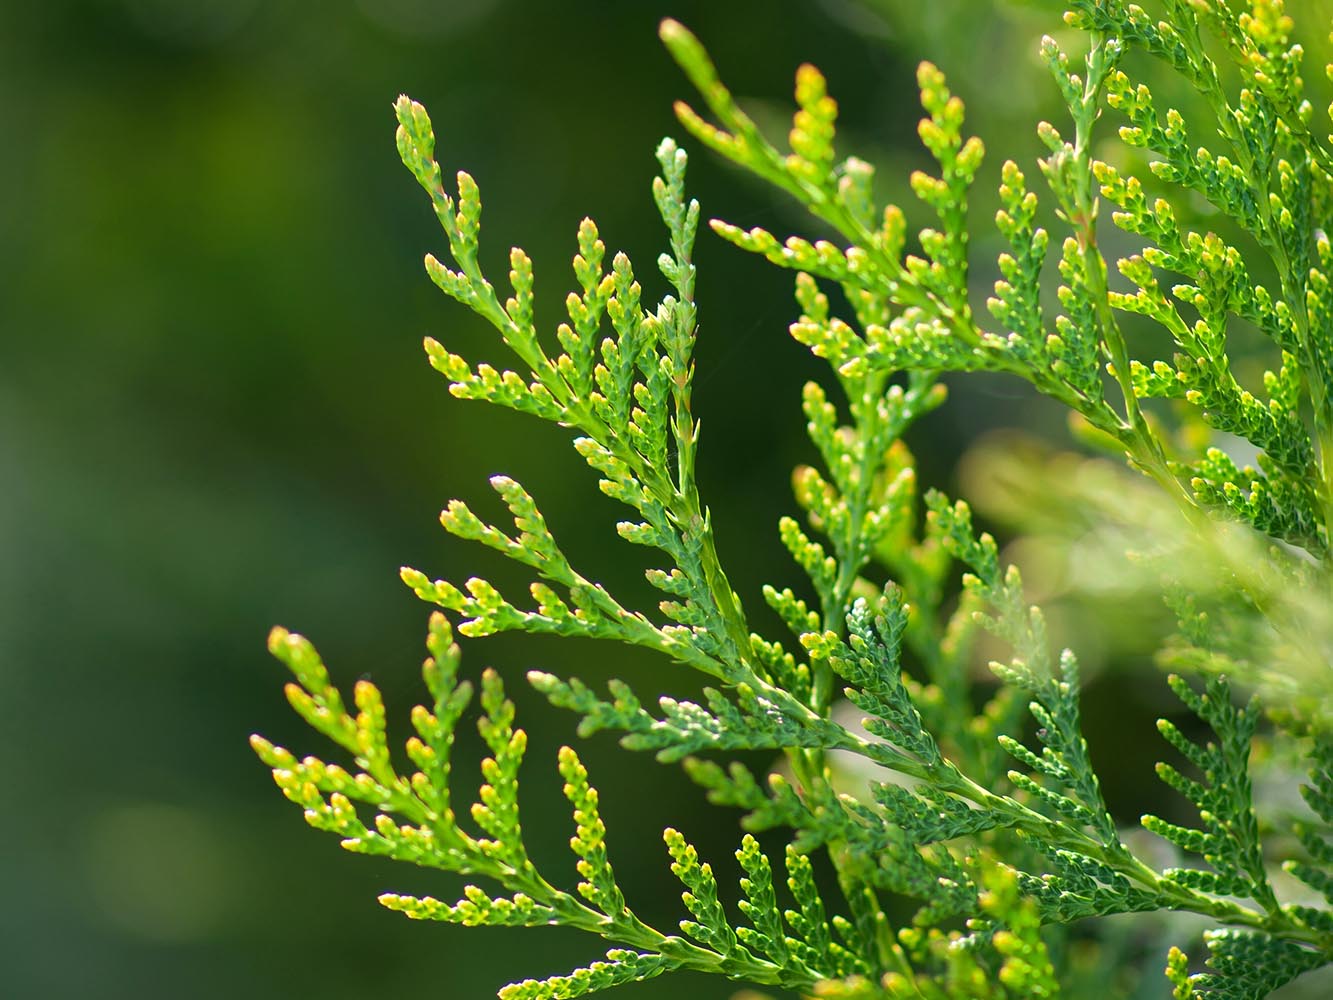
(411, 819)
(996, 859)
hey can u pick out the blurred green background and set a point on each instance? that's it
(215, 416)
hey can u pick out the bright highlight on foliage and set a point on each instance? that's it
(994, 822)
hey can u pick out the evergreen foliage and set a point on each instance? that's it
(985, 810)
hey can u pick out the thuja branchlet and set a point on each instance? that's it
(990, 820)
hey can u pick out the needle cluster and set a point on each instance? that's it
(984, 808)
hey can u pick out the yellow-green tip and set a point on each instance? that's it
(671, 30)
